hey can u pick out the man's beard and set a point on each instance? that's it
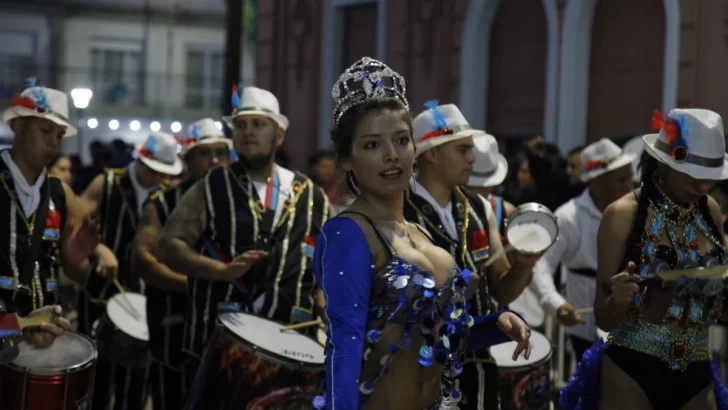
(257, 161)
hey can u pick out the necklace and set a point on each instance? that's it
(406, 234)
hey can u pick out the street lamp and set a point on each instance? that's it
(81, 98)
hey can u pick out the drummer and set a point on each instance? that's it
(254, 210)
(489, 170)
(118, 196)
(166, 290)
(463, 223)
(607, 171)
(38, 118)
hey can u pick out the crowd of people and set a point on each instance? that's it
(210, 275)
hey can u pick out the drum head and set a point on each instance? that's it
(122, 315)
(69, 351)
(532, 231)
(266, 335)
(541, 352)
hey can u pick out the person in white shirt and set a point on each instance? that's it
(608, 172)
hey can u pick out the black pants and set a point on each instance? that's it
(170, 386)
(479, 383)
(580, 346)
(127, 386)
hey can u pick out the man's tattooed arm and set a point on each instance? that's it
(182, 234)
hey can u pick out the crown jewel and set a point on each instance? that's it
(365, 80)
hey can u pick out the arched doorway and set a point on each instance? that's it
(517, 73)
(627, 67)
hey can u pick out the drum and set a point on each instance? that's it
(59, 377)
(524, 384)
(527, 306)
(250, 364)
(122, 336)
(531, 229)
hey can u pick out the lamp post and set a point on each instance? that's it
(81, 98)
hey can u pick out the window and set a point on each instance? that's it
(204, 79)
(117, 75)
(14, 69)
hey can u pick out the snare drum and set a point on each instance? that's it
(524, 384)
(59, 377)
(250, 364)
(531, 228)
(123, 338)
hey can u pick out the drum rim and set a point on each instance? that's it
(537, 208)
(116, 325)
(267, 354)
(522, 367)
(59, 371)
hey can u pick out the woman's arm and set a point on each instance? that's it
(343, 266)
(614, 230)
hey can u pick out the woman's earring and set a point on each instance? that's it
(352, 183)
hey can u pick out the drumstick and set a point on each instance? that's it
(134, 312)
(580, 311)
(301, 325)
(12, 325)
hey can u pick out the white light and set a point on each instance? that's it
(114, 125)
(176, 127)
(81, 97)
(92, 123)
(135, 125)
(219, 125)
(155, 126)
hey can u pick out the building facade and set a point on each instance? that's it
(150, 63)
(572, 70)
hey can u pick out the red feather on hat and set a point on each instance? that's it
(661, 121)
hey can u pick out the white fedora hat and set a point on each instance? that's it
(203, 132)
(490, 167)
(159, 153)
(690, 141)
(440, 124)
(601, 157)
(41, 102)
(635, 147)
(256, 101)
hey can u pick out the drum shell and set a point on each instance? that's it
(525, 386)
(118, 347)
(236, 374)
(25, 389)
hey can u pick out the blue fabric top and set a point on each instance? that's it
(360, 303)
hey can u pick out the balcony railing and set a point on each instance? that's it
(125, 91)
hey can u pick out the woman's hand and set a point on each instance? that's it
(623, 287)
(518, 330)
(47, 333)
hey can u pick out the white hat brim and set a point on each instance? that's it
(166, 169)
(423, 147)
(17, 112)
(493, 179)
(694, 171)
(280, 119)
(208, 141)
(622, 160)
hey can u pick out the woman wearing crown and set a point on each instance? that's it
(656, 355)
(396, 303)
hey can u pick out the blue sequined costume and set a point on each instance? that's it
(360, 302)
(677, 348)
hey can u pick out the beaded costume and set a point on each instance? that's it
(361, 302)
(676, 350)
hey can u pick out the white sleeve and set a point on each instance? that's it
(542, 283)
(487, 205)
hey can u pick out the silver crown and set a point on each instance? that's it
(365, 80)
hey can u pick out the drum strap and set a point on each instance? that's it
(26, 275)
